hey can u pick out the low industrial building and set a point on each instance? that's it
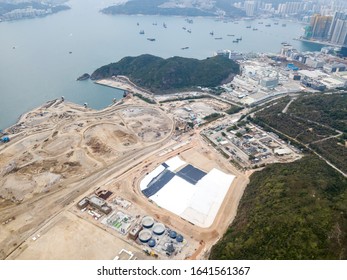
(83, 203)
(95, 202)
(282, 151)
(134, 231)
(335, 67)
(314, 63)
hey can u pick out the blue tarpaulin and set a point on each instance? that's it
(191, 174)
(5, 139)
(158, 182)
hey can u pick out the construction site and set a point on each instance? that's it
(136, 180)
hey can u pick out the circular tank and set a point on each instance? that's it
(147, 222)
(151, 243)
(179, 238)
(158, 229)
(145, 235)
(173, 234)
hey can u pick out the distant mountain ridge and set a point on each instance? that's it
(161, 75)
(170, 7)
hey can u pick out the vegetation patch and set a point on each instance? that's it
(311, 119)
(233, 110)
(333, 151)
(330, 110)
(146, 99)
(290, 211)
(185, 98)
(212, 117)
(297, 127)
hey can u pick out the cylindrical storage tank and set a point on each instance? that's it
(179, 238)
(173, 234)
(147, 222)
(151, 243)
(145, 235)
(158, 228)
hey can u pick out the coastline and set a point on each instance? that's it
(317, 42)
(123, 83)
(111, 83)
(15, 129)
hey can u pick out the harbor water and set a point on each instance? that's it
(41, 58)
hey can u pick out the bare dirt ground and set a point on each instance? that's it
(61, 152)
(50, 161)
(74, 239)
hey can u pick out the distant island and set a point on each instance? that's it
(161, 75)
(84, 77)
(176, 8)
(30, 9)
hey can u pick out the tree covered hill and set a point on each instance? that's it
(290, 211)
(176, 8)
(159, 75)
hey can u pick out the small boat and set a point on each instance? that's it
(255, 29)
(240, 39)
(235, 41)
(260, 22)
(218, 38)
(189, 31)
(184, 48)
(184, 28)
(286, 44)
(164, 25)
(151, 39)
(267, 25)
(276, 23)
(154, 23)
(70, 52)
(248, 26)
(211, 33)
(231, 35)
(142, 32)
(137, 24)
(284, 25)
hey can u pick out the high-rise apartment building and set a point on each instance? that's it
(338, 29)
(339, 36)
(250, 8)
(319, 27)
(290, 8)
(268, 6)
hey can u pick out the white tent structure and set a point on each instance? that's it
(199, 203)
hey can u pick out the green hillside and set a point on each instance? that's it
(163, 7)
(312, 119)
(159, 75)
(290, 211)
